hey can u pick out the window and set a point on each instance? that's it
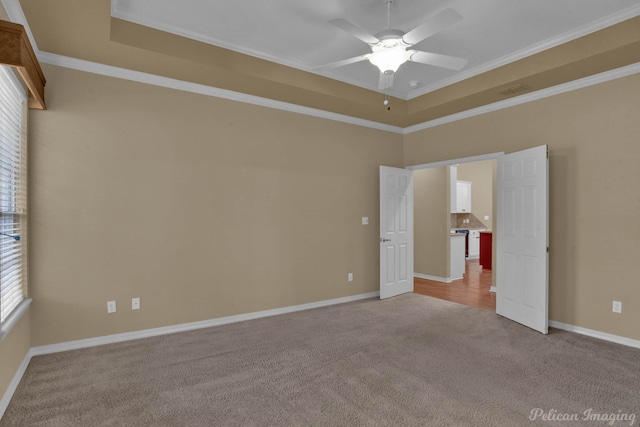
(13, 162)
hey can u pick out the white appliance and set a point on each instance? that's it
(474, 244)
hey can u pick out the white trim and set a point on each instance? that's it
(434, 278)
(72, 345)
(123, 73)
(595, 334)
(13, 385)
(146, 333)
(557, 40)
(152, 79)
(149, 22)
(530, 97)
(15, 13)
(489, 156)
(14, 317)
(568, 36)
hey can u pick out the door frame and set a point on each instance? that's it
(479, 158)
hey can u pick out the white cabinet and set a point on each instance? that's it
(463, 197)
(457, 260)
(460, 192)
(474, 244)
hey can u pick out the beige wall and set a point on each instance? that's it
(13, 350)
(593, 136)
(481, 174)
(431, 226)
(201, 207)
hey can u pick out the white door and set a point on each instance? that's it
(522, 291)
(396, 231)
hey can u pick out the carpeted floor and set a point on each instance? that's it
(411, 360)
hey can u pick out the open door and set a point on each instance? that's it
(396, 231)
(523, 238)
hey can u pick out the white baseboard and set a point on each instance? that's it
(127, 336)
(13, 385)
(146, 333)
(595, 334)
(434, 278)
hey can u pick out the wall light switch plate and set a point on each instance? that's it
(135, 303)
(350, 277)
(111, 307)
(486, 217)
(365, 220)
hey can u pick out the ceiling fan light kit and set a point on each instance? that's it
(389, 54)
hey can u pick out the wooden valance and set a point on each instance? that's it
(16, 51)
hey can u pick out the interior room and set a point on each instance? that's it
(470, 189)
(204, 184)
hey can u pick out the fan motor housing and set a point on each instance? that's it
(390, 34)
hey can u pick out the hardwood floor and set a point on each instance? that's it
(472, 289)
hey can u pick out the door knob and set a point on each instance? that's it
(383, 240)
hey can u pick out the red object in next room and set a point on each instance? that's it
(486, 249)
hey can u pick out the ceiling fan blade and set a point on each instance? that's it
(444, 61)
(434, 24)
(342, 63)
(386, 81)
(354, 31)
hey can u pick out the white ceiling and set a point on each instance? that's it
(297, 33)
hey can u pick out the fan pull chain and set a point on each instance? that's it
(386, 93)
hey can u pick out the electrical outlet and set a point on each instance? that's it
(365, 220)
(617, 307)
(111, 306)
(486, 217)
(135, 303)
(350, 277)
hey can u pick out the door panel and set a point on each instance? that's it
(396, 231)
(523, 238)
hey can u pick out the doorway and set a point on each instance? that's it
(464, 281)
(521, 249)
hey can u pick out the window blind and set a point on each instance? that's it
(12, 192)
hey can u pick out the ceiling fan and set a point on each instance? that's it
(391, 48)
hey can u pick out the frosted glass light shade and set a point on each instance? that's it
(389, 58)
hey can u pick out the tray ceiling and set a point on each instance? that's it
(296, 33)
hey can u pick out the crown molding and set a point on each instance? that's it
(530, 97)
(15, 13)
(172, 29)
(566, 37)
(152, 79)
(122, 73)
